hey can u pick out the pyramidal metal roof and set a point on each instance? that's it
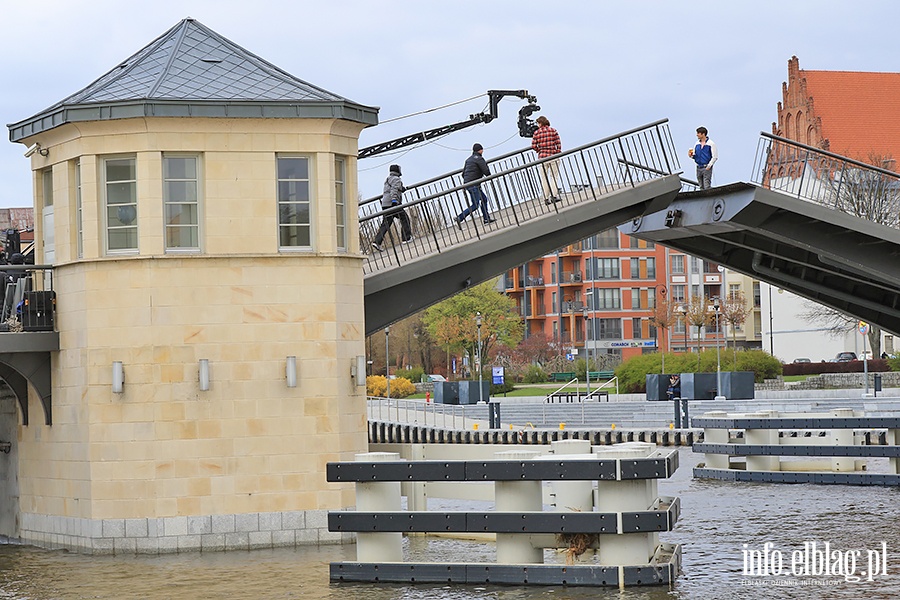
(192, 71)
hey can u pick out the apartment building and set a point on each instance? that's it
(603, 292)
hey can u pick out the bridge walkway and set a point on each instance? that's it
(600, 185)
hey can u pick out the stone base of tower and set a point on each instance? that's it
(167, 535)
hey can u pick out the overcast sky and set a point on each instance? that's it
(596, 67)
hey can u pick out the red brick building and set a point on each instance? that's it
(604, 288)
(851, 113)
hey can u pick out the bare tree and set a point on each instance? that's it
(662, 318)
(699, 313)
(735, 311)
(836, 324)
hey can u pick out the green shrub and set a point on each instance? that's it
(414, 374)
(632, 373)
(534, 374)
(507, 386)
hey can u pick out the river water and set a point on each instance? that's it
(717, 519)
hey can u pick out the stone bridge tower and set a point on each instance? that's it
(197, 204)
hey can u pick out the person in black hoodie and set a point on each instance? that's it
(393, 197)
(474, 169)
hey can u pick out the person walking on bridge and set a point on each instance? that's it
(392, 197)
(545, 142)
(474, 169)
(705, 155)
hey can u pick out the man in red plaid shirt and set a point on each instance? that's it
(545, 142)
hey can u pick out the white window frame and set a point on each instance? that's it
(198, 202)
(279, 203)
(340, 202)
(106, 226)
(79, 217)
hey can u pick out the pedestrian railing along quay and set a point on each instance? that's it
(809, 173)
(516, 192)
(605, 516)
(419, 412)
(817, 447)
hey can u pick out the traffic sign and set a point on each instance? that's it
(863, 327)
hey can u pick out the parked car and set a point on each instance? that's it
(845, 356)
(801, 360)
(434, 377)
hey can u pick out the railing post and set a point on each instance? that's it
(517, 496)
(625, 496)
(716, 435)
(763, 437)
(573, 495)
(378, 496)
(893, 439)
(842, 437)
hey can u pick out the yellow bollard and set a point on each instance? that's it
(562, 426)
(475, 426)
(671, 425)
(613, 426)
(510, 427)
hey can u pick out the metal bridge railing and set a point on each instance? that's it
(835, 181)
(515, 192)
(421, 412)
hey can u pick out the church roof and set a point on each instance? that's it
(859, 111)
(192, 71)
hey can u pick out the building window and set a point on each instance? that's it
(606, 268)
(553, 272)
(677, 264)
(79, 228)
(636, 329)
(756, 298)
(609, 329)
(677, 293)
(553, 307)
(340, 204)
(181, 200)
(636, 299)
(47, 184)
(120, 179)
(607, 299)
(695, 264)
(608, 239)
(293, 202)
(651, 268)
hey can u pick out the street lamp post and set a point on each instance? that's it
(717, 305)
(771, 332)
(478, 357)
(387, 360)
(587, 354)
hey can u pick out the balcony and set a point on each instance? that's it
(570, 277)
(27, 333)
(573, 306)
(533, 281)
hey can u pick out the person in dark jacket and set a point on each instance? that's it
(474, 169)
(393, 198)
(14, 275)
